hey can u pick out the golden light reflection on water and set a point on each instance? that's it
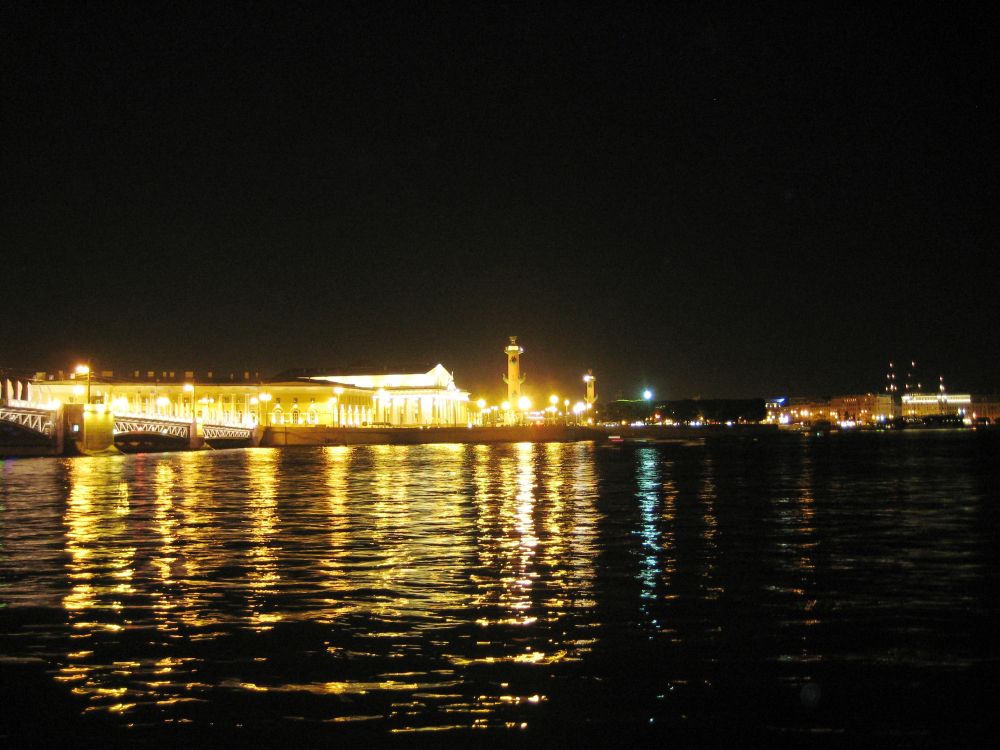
(711, 587)
(101, 554)
(433, 588)
(483, 555)
(262, 554)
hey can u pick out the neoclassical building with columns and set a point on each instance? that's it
(410, 399)
(330, 399)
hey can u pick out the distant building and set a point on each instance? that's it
(867, 408)
(936, 404)
(798, 410)
(985, 407)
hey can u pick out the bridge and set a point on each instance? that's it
(30, 427)
(133, 431)
(30, 419)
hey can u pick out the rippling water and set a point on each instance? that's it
(782, 588)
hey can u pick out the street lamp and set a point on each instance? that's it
(647, 394)
(161, 403)
(85, 370)
(189, 388)
(263, 399)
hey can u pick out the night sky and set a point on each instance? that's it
(715, 203)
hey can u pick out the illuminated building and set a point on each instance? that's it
(797, 411)
(866, 408)
(410, 399)
(936, 404)
(942, 403)
(332, 400)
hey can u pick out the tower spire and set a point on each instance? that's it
(591, 382)
(514, 378)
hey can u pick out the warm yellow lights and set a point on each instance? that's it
(162, 401)
(82, 370)
(338, 390)
(78, 390)
(553, 399)
(265, 397)
(505, 406)
(189, 388)
(579, 407)
(524, 403)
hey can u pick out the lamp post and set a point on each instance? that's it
(189, 388)
(264, 398)
(524, 406)
(85, 370)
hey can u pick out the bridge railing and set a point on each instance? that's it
(181, 420)
(33, 418)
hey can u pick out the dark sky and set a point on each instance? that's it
(770, 201)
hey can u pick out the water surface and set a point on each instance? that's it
(796, 590)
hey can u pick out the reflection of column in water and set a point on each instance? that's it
(536, 529)
(521, 593)
(201, 546)
(554, 501)
(419, 529)
(96, 516)
(389, 522)
(799, 522)
(336, 577)
(648, 493)
(582, 524)
(566, 550)
(101, 570)
(709, 535)
(164, 558)
(504, 501)
(262, 557)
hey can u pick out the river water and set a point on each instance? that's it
(785, 589)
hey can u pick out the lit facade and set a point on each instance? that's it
(405, 399)
(936, 404)
(797, 411)
(866, 408)
(423, 399)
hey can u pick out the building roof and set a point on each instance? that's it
(436, 377)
